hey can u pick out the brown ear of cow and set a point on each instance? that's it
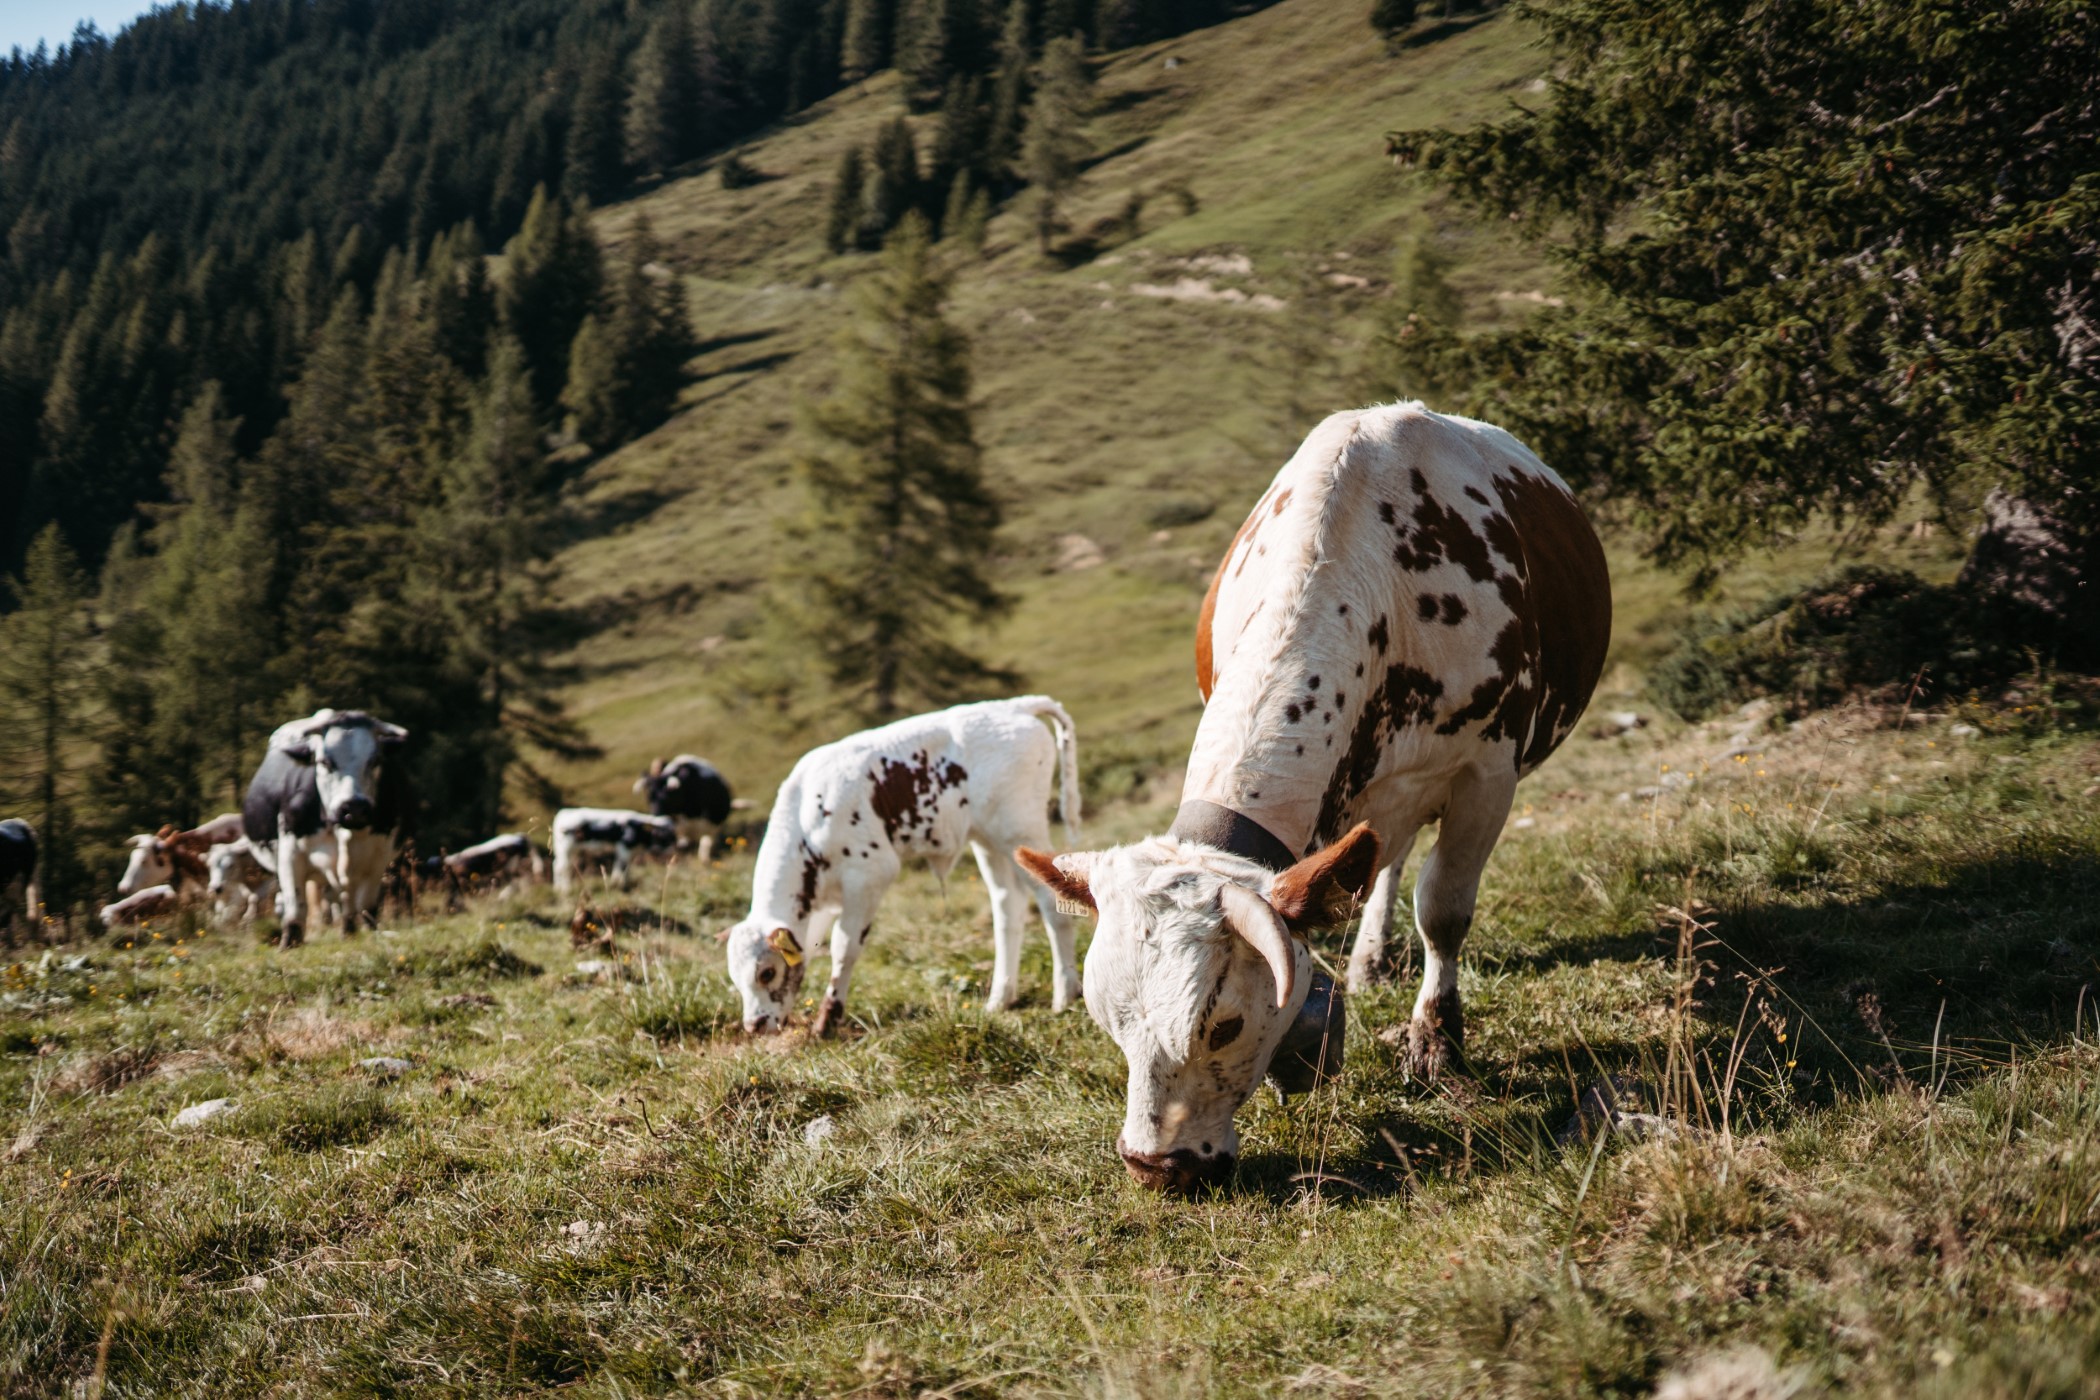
(1069, 886)
(1305, 893)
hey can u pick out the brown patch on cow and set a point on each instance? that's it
(1549, 655)
(1407, 696)
(1308, 891)
(1438, 534)
(905, 792)
(1283, 499)
(813, 866)
(1226, 1031)
(1206, 673)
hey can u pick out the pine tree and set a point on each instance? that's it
(866, 48)
(901, 520)
(555, 278)
(593, 167)
(1054, 147)
(892, 185)
(663, 107)
(47, 670)
(842, 220)
(596, 392)
(462, 303)
(959, 146)
(1010, 91)
(1819, 259)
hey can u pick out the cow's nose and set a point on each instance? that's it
(1183, 1172)
(354, 813)
(759, 1024)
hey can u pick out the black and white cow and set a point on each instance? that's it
(604, 838)
(692, 794)
(500, 864)
(327, 804)
(17, 873)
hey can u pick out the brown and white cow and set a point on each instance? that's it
(851, 813)
(178, 858)
(1410, 621)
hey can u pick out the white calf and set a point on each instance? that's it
(241, 887)
(851, 813)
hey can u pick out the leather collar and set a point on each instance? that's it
(1212, 825)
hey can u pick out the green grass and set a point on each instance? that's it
(602, 1184)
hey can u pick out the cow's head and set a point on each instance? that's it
(1197, 973)
(765, 963)
(222, 864)
(655, 783)
(346, 748)
(149, 865)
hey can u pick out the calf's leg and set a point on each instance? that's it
(1444, 897)
(1002, 880)
(849, 936)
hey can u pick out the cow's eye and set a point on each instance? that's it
(327, 763)
(765, 976)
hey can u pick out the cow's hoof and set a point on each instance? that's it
(291, 936)
(1379, 970)
(827, 1017)
(1436, 1040)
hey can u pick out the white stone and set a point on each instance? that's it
(198, 1114)
(386, 1066)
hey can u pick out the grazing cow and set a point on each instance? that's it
(17, 874)
(692, 794)
(153, 902)
(606, 839)
(239, 885)
(1410, 621)
(850, 815)
(501, 863)
(326, 804)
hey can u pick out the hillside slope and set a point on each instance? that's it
(1132, 406)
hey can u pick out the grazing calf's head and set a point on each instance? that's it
(150, 863)
(765, 963)
(347, 748)
(1196, 972)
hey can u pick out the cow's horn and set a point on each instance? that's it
(1250, 916)
(318, 724)
(393, 732)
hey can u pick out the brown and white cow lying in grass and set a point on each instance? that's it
(177, 858)
(851, 813)
(1411, 620)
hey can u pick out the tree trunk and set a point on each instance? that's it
(2036, 578)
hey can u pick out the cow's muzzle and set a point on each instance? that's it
(1182, 1172)
(356, 814)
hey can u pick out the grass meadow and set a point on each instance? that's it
(1845, 967)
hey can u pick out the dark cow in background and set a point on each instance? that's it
(500, 864)
(326, 804)
(692, 794)
(17, 874)
(603, 838)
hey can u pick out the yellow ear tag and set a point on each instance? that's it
(1072, 908)
(783, 943)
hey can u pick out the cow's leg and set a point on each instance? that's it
(861, 892)
(1444, 896)
(623, 861)
(1376, 958)
(291, 885)
(1009, 921)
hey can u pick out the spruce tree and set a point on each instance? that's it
(663, 107)
(554, 278)
(1819, 258)
(842, 218)
(892, 185)
(866, 47)
(593, 166)
(901, 521)
(47, 671)
(1055, 146)
(1010, 90)
(596, 392)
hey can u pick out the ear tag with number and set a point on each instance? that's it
(783, 943)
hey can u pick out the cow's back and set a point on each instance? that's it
(1416, 594)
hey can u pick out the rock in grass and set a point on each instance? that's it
(385, 1066)
(198, 1114)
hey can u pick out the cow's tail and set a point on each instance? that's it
(1043, 707)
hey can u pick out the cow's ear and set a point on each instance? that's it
(165, 832)
(389, 733)
(1068, 877)
(1309, 891)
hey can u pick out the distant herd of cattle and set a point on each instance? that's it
(1410, 620)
